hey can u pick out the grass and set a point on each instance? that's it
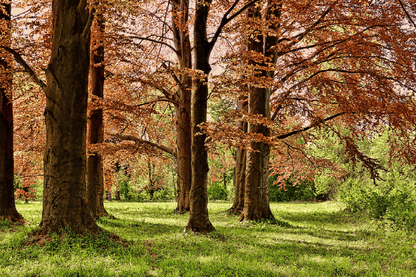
(308, 239)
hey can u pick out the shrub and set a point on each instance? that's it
(164, 194)
(216, 191)
(305, 190)
(392, 202)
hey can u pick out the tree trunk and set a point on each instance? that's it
(7, 202)
(240, 166)
(95, 178)
(256, 198)
(198, 216)
(64, 203)
(183, 109)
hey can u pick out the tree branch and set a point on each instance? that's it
(139, 140)
(309, 127)
(225, 19)
(27, 67)
(155, 41)
(407, 14)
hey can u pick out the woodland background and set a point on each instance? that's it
(246, 101)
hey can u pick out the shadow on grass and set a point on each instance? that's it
(142, 229)
(254, 249)
(316, 218)
(247, 255)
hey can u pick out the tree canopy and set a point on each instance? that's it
(285, 68)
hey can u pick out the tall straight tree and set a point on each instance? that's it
(7, 203)
(64, 203)
(240, 164)
(95, 134)
(180, 17)
(198, 216)
(256, 194)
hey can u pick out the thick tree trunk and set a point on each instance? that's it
(183, 109)
(95, 178)
(198, 216)
(7, 203)
(64, 203)
(256, 198)
(240, 166)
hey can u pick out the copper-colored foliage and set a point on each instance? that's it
(335, 65)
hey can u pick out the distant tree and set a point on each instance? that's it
(95, 134)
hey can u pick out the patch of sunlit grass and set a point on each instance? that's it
(306, 239)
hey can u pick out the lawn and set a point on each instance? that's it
(309, 239)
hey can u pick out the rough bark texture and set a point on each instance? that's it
(7, 203)
(198, 216)
(95, 178)
(183, 108)
(256, 198)
(240, 166)
(64, 202)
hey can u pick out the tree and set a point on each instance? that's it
(7, 202)
(64, 202)
(323, 62)
(180, 17)
(95, 134)
(198, 217)
(256, 197)
(240, 164)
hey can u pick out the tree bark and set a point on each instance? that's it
(256, 199)
(198, 216)
(240, 166)
(7, 202)
(95, 178)
(182, 42)
(64, 203)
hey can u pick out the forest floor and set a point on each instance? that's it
(307, 239)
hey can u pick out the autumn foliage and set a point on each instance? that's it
(286, 68)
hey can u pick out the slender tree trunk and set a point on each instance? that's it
(240, 166)
(64, 203)
(95, 178)
(7, 202)
(198, 216)
(183, 109)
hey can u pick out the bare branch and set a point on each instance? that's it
(225, 19)
(155, 41)
(309, 127)
(27, 67)
(407, 14)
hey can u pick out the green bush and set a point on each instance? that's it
(392, 202)
(164, 194)
(216, 191)
(401, 209)
(124, 187)
(304, 191)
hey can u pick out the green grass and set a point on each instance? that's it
(309, 239)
